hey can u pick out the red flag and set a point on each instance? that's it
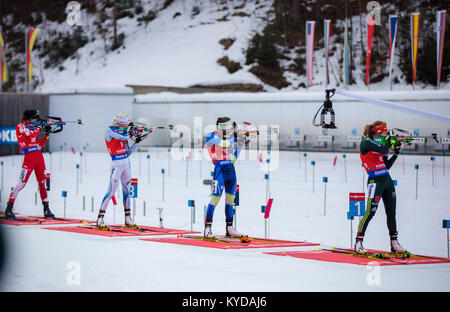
(114, 200)
(73, 150)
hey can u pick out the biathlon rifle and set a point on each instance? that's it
(52, 124)
(245, 131)
(404, 137)
(139, 131)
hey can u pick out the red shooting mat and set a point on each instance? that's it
(232, 243)
(329, 256)
(119, 231)
(37, 220)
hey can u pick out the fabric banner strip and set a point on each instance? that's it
(398, 107)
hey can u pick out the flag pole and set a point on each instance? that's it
(26, 61)
(1, 69)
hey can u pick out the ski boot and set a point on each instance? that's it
(397, 249)
(129, 222)
(207, 233)
(100, 222)
(359, 248)
(8, 211)
(47, 212)
(231, 232)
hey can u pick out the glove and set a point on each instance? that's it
(138, 139)
(47, 129)
(397, 148)
(393, 142)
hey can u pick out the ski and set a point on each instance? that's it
(103, 228)
(24, 219)
(245, 237)
(140, 229)
(213, 239)
(410, 255)
(368, 254)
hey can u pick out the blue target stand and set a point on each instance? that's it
(356, 208)
(64, 195)
(446, 225)
(133, 192)
(191, 204)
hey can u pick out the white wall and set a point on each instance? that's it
(96, 111)
(289, 110)
(292, 110)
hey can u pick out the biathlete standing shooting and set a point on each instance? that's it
(374, 148)
(116, 138)
(30, 145)
(224, 146)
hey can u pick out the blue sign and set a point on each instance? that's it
(134, 188)
(8, 136)
(297, 131)
(357, 204)
(416, 132)
(446, 224)
(354, 131)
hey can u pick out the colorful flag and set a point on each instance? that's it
(4, 66)
(370, 27)
(345, 73)
(31, 39)
(393, 19)
(415, 19)
(440, 30)
(310, 51)
(326, 36)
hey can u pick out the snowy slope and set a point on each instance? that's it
(43, 260)
(178, 51)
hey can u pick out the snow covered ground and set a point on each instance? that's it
(44, 260)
